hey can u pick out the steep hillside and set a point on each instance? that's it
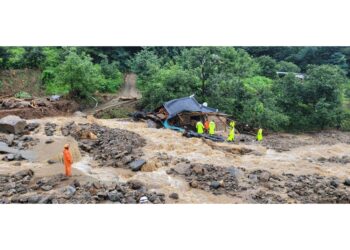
(13, 81)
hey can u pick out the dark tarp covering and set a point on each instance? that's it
(189, 104)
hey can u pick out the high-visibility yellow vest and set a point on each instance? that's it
(259, 136)
(199, 127)
(231, 135)
(212, 128)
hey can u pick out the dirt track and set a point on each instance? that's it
(128, 91)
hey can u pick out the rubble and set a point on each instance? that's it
(345, 159)
(50, 128)
(110, 147)
(20, 188)
(12, 124)
(35, 107)
(261, 186)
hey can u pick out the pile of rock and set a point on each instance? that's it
(261, 186)
(217, 180)
(50, 128)
(345, 159)
(15, 184)
(21, 188)
(110, 147)
(316, 189)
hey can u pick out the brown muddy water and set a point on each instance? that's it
(297, 160)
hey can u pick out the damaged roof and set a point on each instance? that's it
(189, 104)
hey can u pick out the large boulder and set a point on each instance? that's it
(137, 164)
(12, 124)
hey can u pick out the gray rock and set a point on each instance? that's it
(45, 199)
(46, 187)
(130, 200)
(135, 184)
(174, 196)
(32, 126)
(9, 157)
(69, 192)
(334, 183)
(194, 184)
(51, 162)
(10, 138)
(114, 196)
(215, 184)
(12, 124)
(347, 182)
(21, 174)
(264, 176)
(49, 141)
(18, 157)
(151, 124)
(137, 164)
(34, 199)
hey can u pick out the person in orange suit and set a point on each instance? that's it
(206, 125)
(67, 159)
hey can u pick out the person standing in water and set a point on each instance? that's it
(67, 159)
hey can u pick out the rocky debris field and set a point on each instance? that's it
(345, 159)
(36, 107)
(23, 187)
(109, 147)
(285, 142)
(260, 186)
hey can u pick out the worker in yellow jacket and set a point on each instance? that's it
(231, 135)
(200, 127)
(259, 136)
(212, 127)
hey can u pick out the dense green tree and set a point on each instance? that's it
(285, 66)
(79, 75)
(168, 84)
(33, 57)
(268, 66)
(145, 64)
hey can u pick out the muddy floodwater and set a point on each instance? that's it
(322, 154)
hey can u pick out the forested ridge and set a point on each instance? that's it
(311, 91)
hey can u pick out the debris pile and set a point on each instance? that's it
(50, 128)
(110, 147)
(345, 159)
(57, 189)
(260, 186)
(35, 107)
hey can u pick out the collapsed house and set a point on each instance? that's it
(182, 115)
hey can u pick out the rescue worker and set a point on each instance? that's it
(212, 127)
(199, 127)
(231, 135)
(67, 159)
(206, 125)
(259, 136)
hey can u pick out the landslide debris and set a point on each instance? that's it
(110, 147)
(22, 187)
(261, 186)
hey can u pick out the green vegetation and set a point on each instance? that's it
(240, 81)
(22, 95)
(243, 82)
